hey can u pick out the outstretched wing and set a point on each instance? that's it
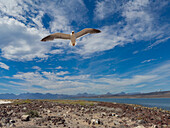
(86, 31)
(56, 36)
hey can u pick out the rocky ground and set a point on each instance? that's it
(80, 114)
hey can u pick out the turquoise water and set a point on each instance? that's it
(163, 103)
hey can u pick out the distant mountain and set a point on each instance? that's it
(134, 93)
(7, 96)
(159, 94)
(84, 95)
(34, 96)
(121, 93)
(108, 93)
(42, 96)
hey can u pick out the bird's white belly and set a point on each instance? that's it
(73, 39)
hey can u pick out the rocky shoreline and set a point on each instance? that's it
(80, 114)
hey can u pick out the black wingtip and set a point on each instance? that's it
(45, 38)
(97, 30)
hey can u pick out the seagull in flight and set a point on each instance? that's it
(73, 36)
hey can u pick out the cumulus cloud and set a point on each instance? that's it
(3, 65)
(23, 25)
(20, 42)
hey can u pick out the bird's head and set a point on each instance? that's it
(72, 32)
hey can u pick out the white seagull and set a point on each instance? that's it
(73, 36)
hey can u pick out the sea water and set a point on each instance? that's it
(163, 103)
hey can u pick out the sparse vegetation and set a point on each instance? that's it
(19, 102)
(32, 113)
(80, 102)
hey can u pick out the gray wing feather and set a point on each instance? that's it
(56, 36)
(86, 31)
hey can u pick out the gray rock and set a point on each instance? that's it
(141, 122)
(10, 112)
(95, 121)
(155, 126)
(5, 120)
(103, 114)
(24, 108)
(25, 117)
(165, 126)
(12, 121)
(141, 126)
(48, 111)
(116, 123)
(114, 114)
(118, 110)
(1, 125)
(12, 125)
(122, 126)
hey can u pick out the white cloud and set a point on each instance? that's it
(138, 23)
(36, 67)
(136, 79)
(62, 82)
(157, 42)
(98, 42)
(53, 82)
(22, 26)
(163, 71)
(59, 67)
(106, 8)
(136, 27)
(3, 65)
(56, 51)
(135, 52)
(26, 26)
(141, 85)
(146, 61)
(20, 42)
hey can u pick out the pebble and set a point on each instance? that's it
(116, 123)
(12, 121)
(25, 118)
(141, 122)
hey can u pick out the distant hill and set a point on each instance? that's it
(84, 94)
(42, 96)
(34, 96)
(161, 94)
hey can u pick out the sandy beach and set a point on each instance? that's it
(80, 114)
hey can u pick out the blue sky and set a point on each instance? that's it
(131, 54)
